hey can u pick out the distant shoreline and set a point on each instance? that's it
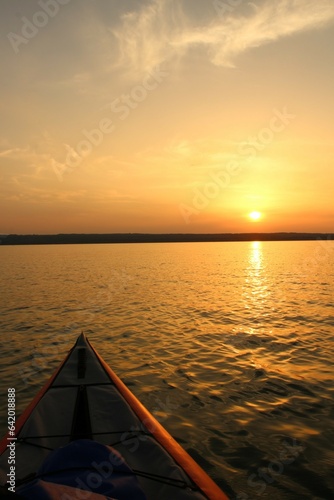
(56, 239)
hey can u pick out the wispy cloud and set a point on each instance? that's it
(13, 153)
(146, 37)
(161, 31)
(268, 23)
(24, 162)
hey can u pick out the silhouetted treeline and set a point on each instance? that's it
(49, 239)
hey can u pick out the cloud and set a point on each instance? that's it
(161, 31)
(272, 21)
(15, 153)
(145, 37)
(24, 161)
(23, 168)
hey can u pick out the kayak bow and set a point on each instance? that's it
(86, 407)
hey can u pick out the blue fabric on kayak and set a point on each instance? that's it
(84, 465)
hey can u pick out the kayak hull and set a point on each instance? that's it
(85, 400)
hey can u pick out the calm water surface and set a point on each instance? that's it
(230, 345)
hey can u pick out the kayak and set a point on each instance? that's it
(85, 435)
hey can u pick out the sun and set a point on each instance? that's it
(255, 216)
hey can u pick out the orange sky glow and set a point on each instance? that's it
(166, 116)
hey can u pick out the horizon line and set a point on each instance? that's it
(129, 238)
(167, 233)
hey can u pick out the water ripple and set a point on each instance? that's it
(229, 345)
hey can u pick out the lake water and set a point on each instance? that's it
(229, 345)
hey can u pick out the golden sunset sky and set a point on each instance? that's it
(166, 116)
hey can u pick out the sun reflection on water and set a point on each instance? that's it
(256, 254)
(255, 289)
